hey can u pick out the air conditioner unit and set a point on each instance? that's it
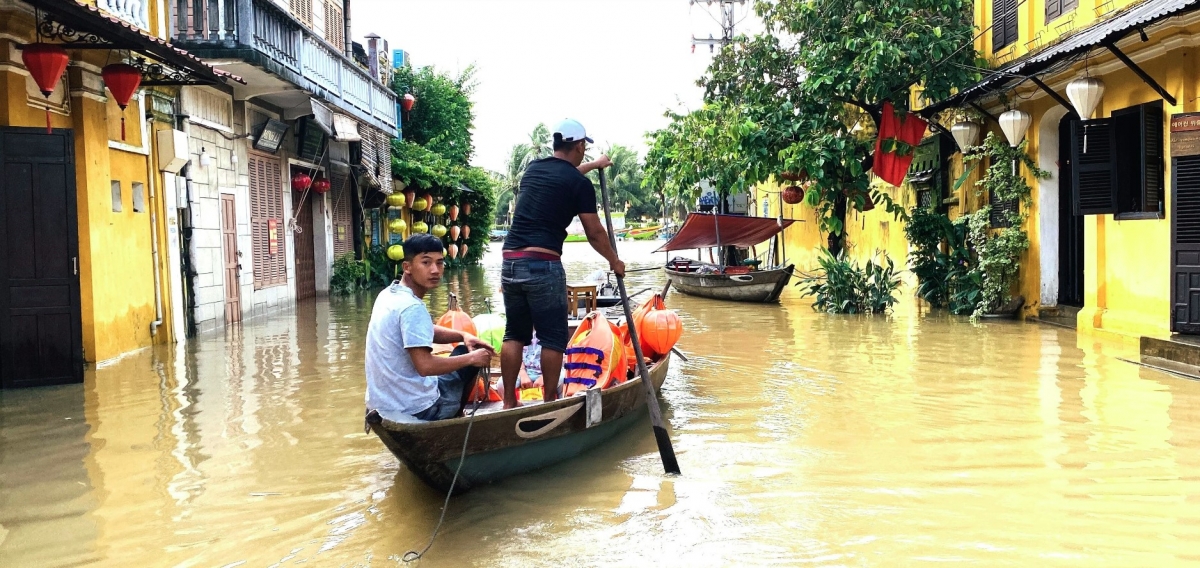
(172, 150)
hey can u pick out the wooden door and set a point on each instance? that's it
(1070, 225)
(233, 262)
(1185, 244)
(41, 338)
(306, 266)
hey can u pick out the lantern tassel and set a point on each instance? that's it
(1085, 129)
(48, 129)
(122, 128)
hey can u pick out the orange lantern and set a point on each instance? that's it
(409, 197)
(456, 319)
(466, 231)
(452, 249)
(46, 63)
(453, 212)
(659, 331)
(122, 81)
(463, 251)
(467, 208)
(454, 230)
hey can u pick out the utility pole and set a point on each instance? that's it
(727, 22)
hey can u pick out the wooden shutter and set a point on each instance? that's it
(1004, 23)
(1152, 154)
(266, 205)
(343, 236)
(1186, 183)
(1094, 177)
(335, 26)
(303, 11)
(1054, 9)
(998, 218)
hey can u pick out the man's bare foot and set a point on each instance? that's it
(514, 404)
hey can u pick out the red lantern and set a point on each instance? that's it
(301, 181)
(407, 102)
(46, 63)
(321, 185)
(122, 80)
(792, 195)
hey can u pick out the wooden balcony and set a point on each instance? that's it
(266, 36)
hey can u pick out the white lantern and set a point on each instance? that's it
(1014, 123)
(965, 133)
(1085, 95)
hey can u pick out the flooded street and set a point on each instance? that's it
(803, 438)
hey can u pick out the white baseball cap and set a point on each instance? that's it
(571, 131)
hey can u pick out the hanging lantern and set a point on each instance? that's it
(466, 231)
(966, 134)
(420, 227)
(438, 230)
(420, 204)
(407, 102)
(409, 197)
(438, 209)
(396, 252)
(462, 251)
(792, 195)
(301, 181)
(321, 185)
(453, 250)
(1085, 94)
(397, 226)
(122, 81)
(454, 231)
(453, 212)
(428, 200)
(1014, 123)
(395, 200)
(46, 63)
(467, 208)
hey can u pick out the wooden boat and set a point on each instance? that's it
(504, 443)
(750, 286)
(735, 283)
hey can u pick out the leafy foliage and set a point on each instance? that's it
(945, 278)
(842, 287)
(349, 275)
(806, 96)
(442, 118)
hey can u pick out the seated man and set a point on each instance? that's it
(403, 374)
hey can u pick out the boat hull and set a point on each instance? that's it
(511, 442)
(757, 286)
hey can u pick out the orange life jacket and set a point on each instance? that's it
(595, 356)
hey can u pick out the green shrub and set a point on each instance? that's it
(842, 287)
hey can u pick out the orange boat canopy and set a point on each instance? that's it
(701, 231)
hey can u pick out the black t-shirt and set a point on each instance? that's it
(552, 193)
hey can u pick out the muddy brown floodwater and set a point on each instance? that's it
(803, 438)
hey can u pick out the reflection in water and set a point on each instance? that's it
(803, 437)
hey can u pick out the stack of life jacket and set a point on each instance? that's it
(595, 356)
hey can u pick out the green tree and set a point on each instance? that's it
(443, 116)
(806, 96)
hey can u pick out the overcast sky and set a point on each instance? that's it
(614, 65)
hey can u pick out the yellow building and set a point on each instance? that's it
(1114, 233)
(82, 264)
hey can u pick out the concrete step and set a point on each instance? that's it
(1180, 354)
(1061, 316)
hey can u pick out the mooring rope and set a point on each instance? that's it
(413, 555)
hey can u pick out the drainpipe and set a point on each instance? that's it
(348, 44)
(150, 173)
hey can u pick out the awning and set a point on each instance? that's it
(345, 128)
(1107, 31)
(76, 25)
(700, 231)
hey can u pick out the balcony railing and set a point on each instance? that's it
(205, 26)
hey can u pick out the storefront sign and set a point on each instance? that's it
(271, 136)
(1185, 134)
(272, 236)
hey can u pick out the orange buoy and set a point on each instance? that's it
(658, 332)
(595, 356)
(456, 319)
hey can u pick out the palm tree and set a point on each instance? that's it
(539, 145)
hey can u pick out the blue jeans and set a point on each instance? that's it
(535, 298)
(450, 391)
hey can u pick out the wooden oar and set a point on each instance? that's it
(665, 450)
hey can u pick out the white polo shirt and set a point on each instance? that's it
(399, 321)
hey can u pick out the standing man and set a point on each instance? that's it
(403, 374)
(553, 191)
